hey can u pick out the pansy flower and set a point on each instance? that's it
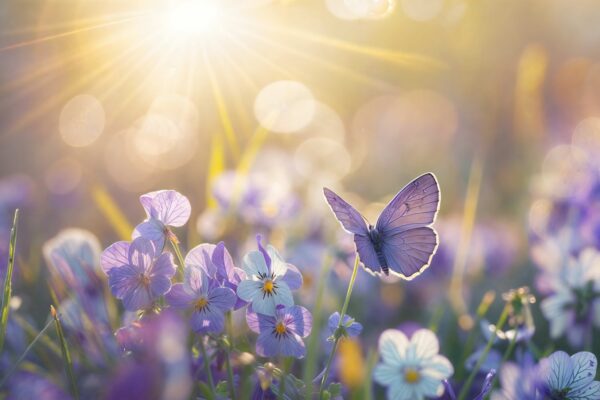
(164, 208)
(411, 369)
(144, 278)
(282, 333)
(217, 263)
(205, 297)
(572, 378)
(269, 280)
(574, 305)
(350, 327)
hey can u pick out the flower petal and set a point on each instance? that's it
(248, 289)
(298, 319)
(164, 266)
(392, 347)
(437, 367)
(200, 257)
(426, 343)
(254, 264)
(179, 297)
(222, 298)
(168, 206)
(557, 370)
(584, 370)
(386, 374)
(115, 255)
(258, 322)
(153, 230)
(141, 254)
(122, 280)
(285, 271)
(208, 321)
(137, 299)
(159, 285)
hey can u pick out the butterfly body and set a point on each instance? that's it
(402, 241)
(375, 238)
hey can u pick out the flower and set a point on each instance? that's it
(269, 280)
(146, 276)
(217, 263)
(282, 333)
(564, 377)
(412, 370)
(164, 208)
(485, 388)
(518, 381)
(203, 294)
(574, 305)
(349, 326)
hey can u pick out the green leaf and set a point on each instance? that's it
(222, 388)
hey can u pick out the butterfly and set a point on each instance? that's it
(402, 240)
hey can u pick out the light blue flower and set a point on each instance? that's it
(571, 378)
(269, 280)
(411, 369)
(350, 326)
(574, 304)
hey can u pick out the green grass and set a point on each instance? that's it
(8, 280)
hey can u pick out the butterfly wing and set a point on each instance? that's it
(415, 205)
(409, 252)
(350, 219)
(367, 254)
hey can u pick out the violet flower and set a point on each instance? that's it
(146, 276)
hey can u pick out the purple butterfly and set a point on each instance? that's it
(403, 240)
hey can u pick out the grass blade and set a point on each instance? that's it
(8, 280)
(65, 352)
(27, 350)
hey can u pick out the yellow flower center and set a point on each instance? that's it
(280, 328)
(268, 286)
(411, 375)
(200, 303)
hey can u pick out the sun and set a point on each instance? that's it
(195, 18)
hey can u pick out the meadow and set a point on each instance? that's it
(299, 199)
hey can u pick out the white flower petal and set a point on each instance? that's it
(426, 343)
(392, 347)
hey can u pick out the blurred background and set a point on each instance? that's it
(250, 107)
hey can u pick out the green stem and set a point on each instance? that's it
(286, 363)
(65, 352)
(228, 347)
(486, 350)
(209, 376)
(175, 244)
(337, 334)
(311, 351)
(8, 280)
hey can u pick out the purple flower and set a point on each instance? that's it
(485, 388)
(208, 300)
(350, 326)
(269, 280)
(145, 277)
(217, 263)
(282, 333)
(565, 377)
(29, 385)
(574, 306)
(164, 208)
(518, 381)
